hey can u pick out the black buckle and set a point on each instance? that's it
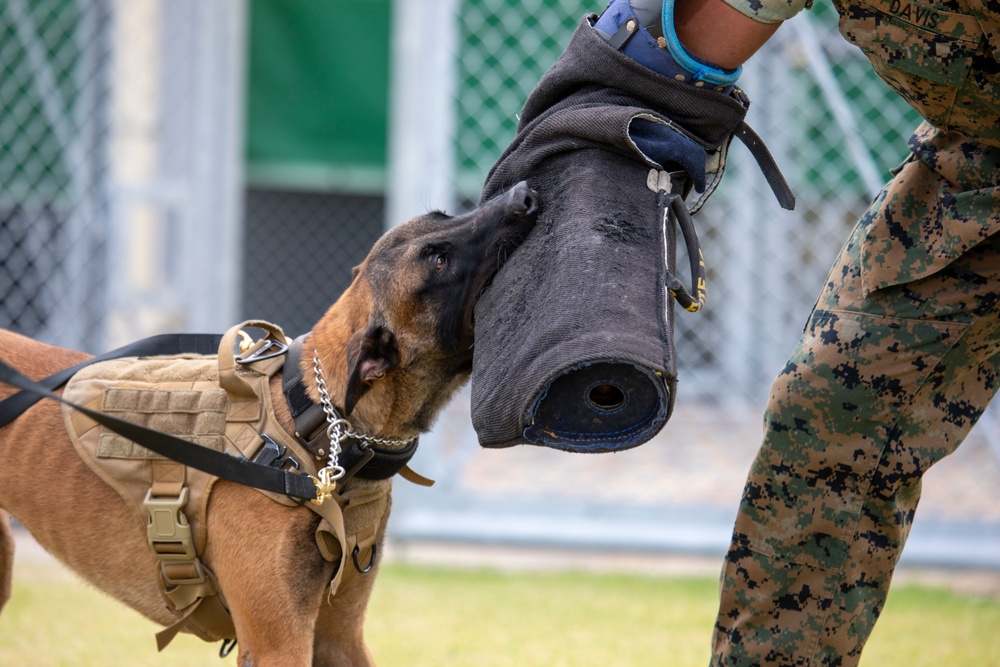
(272, 454)
(366, 455)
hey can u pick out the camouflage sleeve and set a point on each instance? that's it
(769, 11)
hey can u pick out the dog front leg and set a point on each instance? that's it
(6, 558)
(340, 622)
(271, 573)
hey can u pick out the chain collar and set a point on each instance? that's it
(338, 430)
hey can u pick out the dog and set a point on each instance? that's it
(393, 349)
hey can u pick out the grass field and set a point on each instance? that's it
(429, 617)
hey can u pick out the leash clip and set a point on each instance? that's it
(326, 484)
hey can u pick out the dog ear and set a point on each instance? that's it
(370, 355)
(355, 271)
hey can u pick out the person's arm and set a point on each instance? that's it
(717, 33)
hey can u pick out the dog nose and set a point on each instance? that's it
(522, 200)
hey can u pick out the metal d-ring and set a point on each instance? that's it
(227, 647)
(371, 561)
(270, 349)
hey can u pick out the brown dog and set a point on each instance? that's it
(393, 349)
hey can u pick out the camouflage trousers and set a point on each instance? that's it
(898, 360)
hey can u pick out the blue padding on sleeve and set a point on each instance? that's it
(670, 149)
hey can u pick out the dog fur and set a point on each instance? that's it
(394, 348)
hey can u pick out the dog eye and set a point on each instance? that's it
(440, 261)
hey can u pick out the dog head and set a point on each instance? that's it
(407, 317)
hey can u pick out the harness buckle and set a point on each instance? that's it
(168, 531)
(182, 574)
(273, 455)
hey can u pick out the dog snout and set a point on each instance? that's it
(522, 201)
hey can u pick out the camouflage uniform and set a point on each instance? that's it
(898, 359)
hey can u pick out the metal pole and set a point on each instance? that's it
(422, 121)
(213, 240)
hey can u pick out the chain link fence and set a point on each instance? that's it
(118, 178)
(53, 212)
(123, 213)
(292, 277)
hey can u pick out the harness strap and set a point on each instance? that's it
(206, 618)
(768, 167)
(169, 479)
(183, 576)
(219, 464)
(13, 406)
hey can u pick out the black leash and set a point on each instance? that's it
(13, 406)
(361, 459)
(224, 466)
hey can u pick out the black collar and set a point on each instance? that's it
(357, 457)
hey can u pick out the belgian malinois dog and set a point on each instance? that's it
(393, 348)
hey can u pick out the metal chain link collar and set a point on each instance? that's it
(337, 431)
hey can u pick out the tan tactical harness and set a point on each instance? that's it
(220, 403)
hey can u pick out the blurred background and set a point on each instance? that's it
(182, 165)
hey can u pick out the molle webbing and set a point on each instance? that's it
(178, 395)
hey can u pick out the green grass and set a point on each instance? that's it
(430, 617)
(53, 619)
(426, 617)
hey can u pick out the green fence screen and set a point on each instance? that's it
(318, 94)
